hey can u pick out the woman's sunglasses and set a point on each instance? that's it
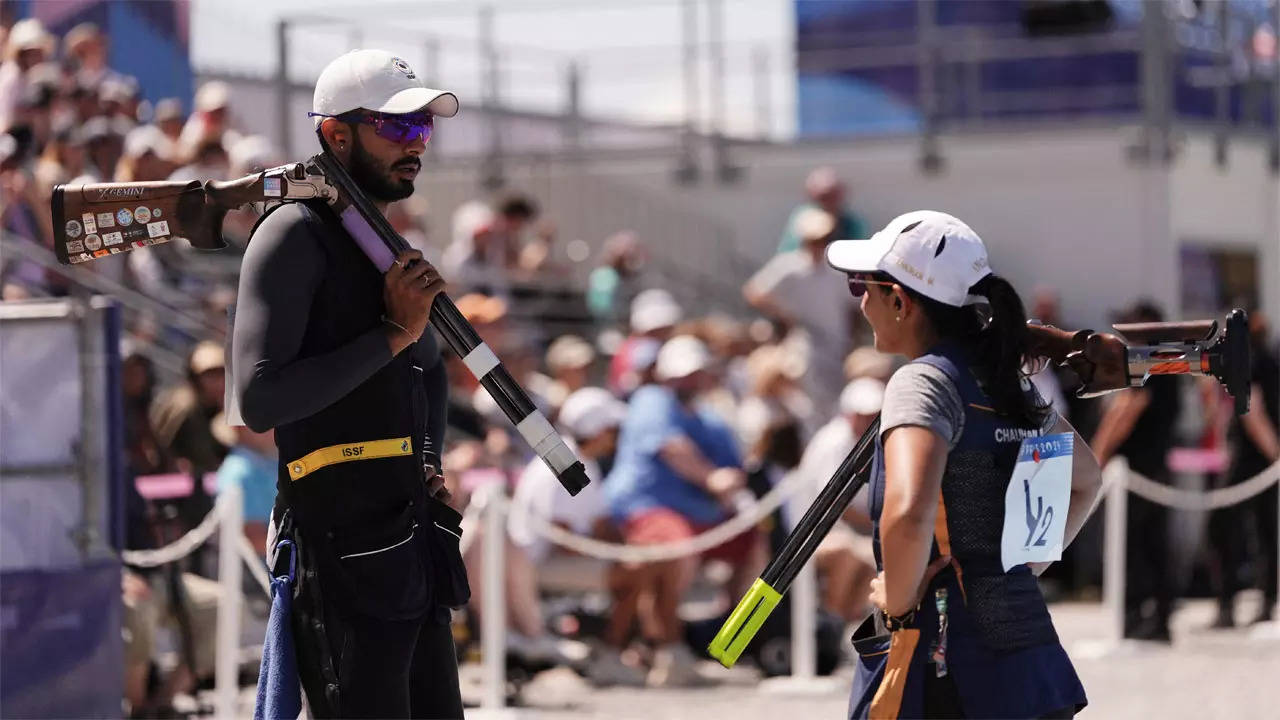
(858, 283)
(399, 129)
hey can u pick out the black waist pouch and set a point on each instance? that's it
(443, 539)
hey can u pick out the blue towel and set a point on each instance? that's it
(278, 694)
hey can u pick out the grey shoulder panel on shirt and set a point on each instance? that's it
(922, 394)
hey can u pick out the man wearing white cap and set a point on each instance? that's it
(590, 418)
(799, 291)
(654, 316)
(677, 474)
(333, 354)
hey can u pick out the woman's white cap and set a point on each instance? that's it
(930, 252)
(379, 81)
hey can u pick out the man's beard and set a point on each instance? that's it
(376, 181)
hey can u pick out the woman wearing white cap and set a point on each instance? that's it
(976, 486)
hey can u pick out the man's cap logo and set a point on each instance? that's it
(403, 67)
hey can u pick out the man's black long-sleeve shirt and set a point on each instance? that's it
(282, 270)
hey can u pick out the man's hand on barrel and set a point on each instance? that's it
(411, 285)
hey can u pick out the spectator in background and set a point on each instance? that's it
(1139, 425)
(844, 559)
(512, 214)
(27, 46)
(86, 49)
(104, 145)
(589, 420)
(774, 395)
(20, 217)
(250, 465)
(474, 261)
(677, 473)
(654, 315)
(144, 158)
(826, 192)
(209, 161)
(63, 157)
(869, 362)
(611, 286)
(569, 360)
(1255, 445)
(211, 120)
(169, 118)
(799, 290)
(183, 416)
(137, 384)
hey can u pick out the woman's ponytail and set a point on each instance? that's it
(1000, 348)
(995, 334)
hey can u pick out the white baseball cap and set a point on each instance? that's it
(589, 411)
(930, 252)
(681, 356)
(863, 396)
(379, 81)
(654, 308)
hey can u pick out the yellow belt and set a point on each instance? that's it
(334, 454)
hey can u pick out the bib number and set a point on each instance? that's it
(1036, 501)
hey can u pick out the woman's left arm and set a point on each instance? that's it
(1086, 487)
(915, 458)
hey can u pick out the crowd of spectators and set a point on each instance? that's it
(683, 418)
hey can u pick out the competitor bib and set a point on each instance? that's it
(1036, 501)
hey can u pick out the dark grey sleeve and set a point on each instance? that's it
(435, 379)
(282, 269)
(921, 394)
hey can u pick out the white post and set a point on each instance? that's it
(226, 677)
(804, 623)
(1116, 478)
(493, 620)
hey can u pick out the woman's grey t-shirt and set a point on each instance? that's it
(922, 394)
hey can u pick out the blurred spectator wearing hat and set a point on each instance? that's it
(589, 421)
(611, 285)
(569, 359)
(86, 49)
(774, 394)
(678, 473)
(654, 316)
(798, 290)
(104, 146)
(474, 261)
(183, 416)
(27, 46)
(844, 558)
(826, 192)
(145, 157)
(210, 122)
(168, 116)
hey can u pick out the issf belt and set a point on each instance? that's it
(350, 452)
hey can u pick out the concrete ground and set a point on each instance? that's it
(1204, 674)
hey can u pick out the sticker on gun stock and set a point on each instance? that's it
(271, 187)
(156, 213)
(142, 214)
(106, 220)
(89, 225)
(73, 229)
(92, 242)
(75, 246)
(158, 229)
(112, 238)
(102, 253)
(124, 216)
